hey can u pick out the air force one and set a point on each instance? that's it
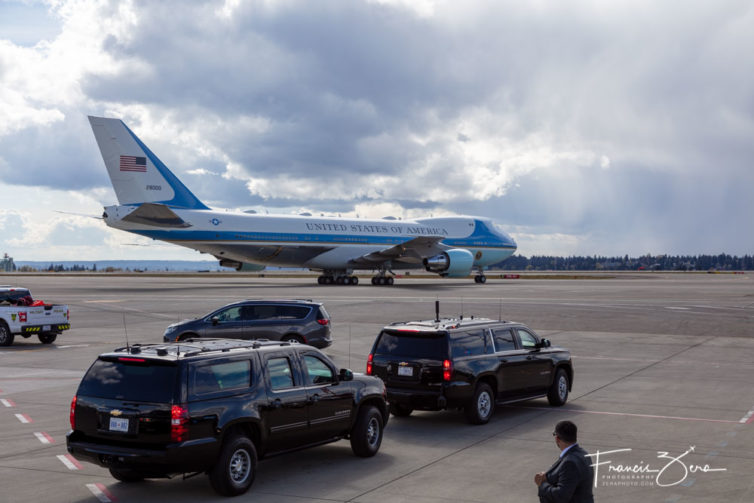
(154, 203)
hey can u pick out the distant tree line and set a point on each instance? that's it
(722, 262)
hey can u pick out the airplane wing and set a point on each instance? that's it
(412, 251)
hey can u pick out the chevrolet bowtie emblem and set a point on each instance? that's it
(116, 412)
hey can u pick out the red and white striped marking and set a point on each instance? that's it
(101, 492)
(44, 437)
(749, 417)
(24, 418)
(7, 403)
(69, 462)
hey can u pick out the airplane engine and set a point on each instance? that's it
(240, 266)
(454, 263)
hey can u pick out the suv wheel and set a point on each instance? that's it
(6, 338)
(482, 404)
(366, 435)
(236, 467)
(126, 475)
(558, 393)
(400, 410)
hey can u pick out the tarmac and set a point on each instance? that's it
(662, 395)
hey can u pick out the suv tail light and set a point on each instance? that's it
(447, 370)
(323, 321)
(72, 415)
(369, 363)
(179, 419)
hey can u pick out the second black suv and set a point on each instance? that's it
(278, 320)
(471, 364)
(215, 406)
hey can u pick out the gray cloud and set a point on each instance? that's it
(602, 122)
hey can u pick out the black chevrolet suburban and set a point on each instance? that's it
(467, 363)
(216, 406)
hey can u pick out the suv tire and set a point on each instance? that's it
(6, 338)
(236, 467)
(126, 475)
(399, 410)
(558, 393)
(479, 410)
(366, 435)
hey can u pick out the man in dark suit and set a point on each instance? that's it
(571, 478)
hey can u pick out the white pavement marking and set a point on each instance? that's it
(7, 403)
(69, 462)
(627, 414)
(100, 492)
(44, 437)
(74, 346)
(23, 418)
(749, 417)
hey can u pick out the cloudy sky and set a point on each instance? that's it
(582, 127)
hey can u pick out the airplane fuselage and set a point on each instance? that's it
(318, 242)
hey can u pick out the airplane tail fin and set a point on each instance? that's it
(137, 175)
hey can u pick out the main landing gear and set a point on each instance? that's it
(342, 279)
(480, 277)
(382, 280)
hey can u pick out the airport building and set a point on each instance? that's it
(6, 264)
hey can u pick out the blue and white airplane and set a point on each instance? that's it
(154, 203)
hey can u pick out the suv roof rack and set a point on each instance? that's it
(446, 323)
(193, 347)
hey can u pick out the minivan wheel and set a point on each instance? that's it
(293, 338)
(126, 475)
(558, 393)
(236, 467)
(366, 435)
(482, 404)
(400, 410)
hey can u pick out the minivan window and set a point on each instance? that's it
(230, 314)
(220, 376)
(424, 344)
(293, 312)
(471, 343)
(119, 380)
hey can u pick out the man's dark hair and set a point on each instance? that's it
(566, 431)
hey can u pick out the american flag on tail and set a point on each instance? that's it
(133, 163)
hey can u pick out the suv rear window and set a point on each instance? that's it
(138, 381)
(432, 345)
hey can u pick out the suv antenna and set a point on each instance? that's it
(437, 311)
(461, 307)
(125, 329)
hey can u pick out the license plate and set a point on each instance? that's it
(46, 328)
(119, 424)
(405, 371)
